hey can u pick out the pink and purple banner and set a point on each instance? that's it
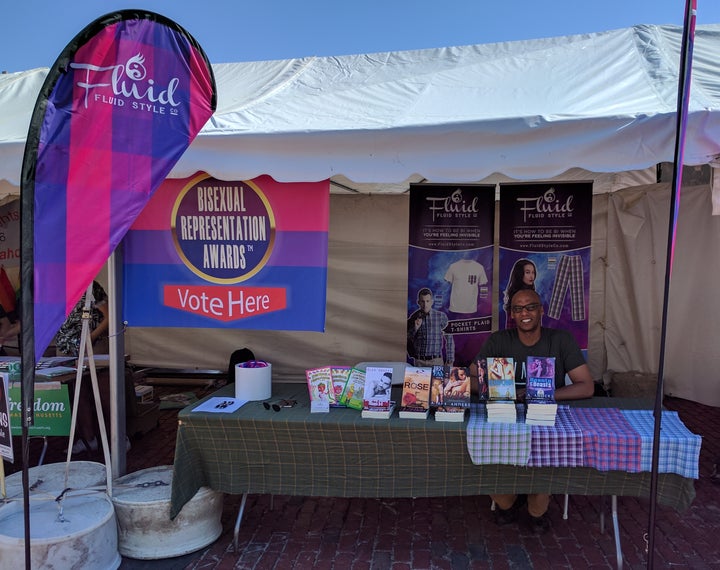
(210, 253)
(118, 109)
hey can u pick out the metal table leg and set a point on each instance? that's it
(616, 529)
(237, 522)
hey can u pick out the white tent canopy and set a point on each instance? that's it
(597, 106)
(603, 102)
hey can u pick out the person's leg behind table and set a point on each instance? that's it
(508, 507)
(85, 439)
(87, 435)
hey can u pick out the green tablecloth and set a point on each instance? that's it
(340, 454)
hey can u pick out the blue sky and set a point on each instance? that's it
(36, 31)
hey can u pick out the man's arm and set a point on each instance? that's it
(582, 385)
(413, 324)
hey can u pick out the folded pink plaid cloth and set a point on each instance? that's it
(609, 441)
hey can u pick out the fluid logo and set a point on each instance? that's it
(546, 205)
(452, 206)
(127, 83)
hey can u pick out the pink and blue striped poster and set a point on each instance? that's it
(211, 253)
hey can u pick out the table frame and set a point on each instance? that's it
(340, 454)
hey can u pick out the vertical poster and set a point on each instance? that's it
(545, 246)
(211, 253)
(10, 238)
(6, 448)
(450, 267)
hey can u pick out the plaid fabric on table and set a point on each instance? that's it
(497, 443)
(679, 447)
(609, 441)
(560, 445)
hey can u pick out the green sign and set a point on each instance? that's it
(51, 407)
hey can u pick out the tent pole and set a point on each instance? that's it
(117, 364)
(683, 97)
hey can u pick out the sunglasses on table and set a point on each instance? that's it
(279, 405)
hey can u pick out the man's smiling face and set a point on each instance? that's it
(527, 310)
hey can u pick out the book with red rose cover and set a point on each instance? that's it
(415, 400)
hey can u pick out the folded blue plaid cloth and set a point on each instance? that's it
(560, 445)
(497, 443)
(679, 447)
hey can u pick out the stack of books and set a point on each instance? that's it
(501, 390)
(450, 414)
(541, 408)
(501, 411)
(541, 413)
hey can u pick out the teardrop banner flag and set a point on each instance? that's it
(119, 107)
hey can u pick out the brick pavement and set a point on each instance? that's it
(284, 532)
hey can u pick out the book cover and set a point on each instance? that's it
(339, 375)
(378, 385)
(439, 376)
(352, 395)
(456, 387)
(320, 387)
(501, 389)
(540, 385)
(482, 379)
(415, 400)
(500, 368)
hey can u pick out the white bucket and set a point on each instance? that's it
(253, 380)
(85, 537)
(49, 480)
(142, 506)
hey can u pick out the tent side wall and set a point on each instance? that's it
(367, 291)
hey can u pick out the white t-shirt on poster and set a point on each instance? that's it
(466, 275)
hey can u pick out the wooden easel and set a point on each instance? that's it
(85, 347)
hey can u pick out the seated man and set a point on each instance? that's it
(529, 338)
